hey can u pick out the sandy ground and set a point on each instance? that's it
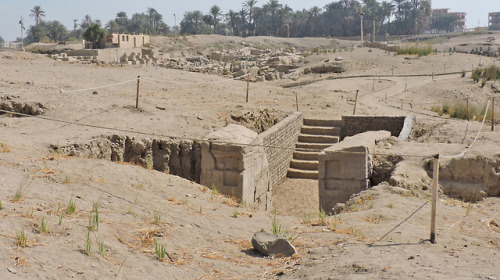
(207, 236)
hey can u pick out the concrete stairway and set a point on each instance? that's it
(315, 135)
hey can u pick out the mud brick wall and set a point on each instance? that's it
(352, 125)
(284, 134)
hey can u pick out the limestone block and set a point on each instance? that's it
(345, 168)
(235, 162)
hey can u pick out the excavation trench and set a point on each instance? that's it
(176, 157)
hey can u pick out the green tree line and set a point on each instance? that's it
(336, 19)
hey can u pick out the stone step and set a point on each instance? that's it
(317, 122)
(304, 164)
(305, 155)
(309, 138)
(321, 130)
(302, 174)
(314, 147)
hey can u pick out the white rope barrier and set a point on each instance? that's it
(94, 88)
(462, 154)
(195, 83)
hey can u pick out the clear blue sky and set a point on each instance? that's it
(67, 10)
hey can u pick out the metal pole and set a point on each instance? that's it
(137, 96)
(468, 115)
(435, 180)
(175, 26)
(374, 30)
(361, 29)
(355, 102)
(248, 86)
(21, 22)
(493, 114)
(296, 101)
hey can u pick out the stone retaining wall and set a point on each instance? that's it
(284, 134)
(352, 125)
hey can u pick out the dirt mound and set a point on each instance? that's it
(258, 120)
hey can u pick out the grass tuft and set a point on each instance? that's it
(160, 251)
(88, 245)
(156, 217)
(21, 238)
(71, 207)
(43, 226)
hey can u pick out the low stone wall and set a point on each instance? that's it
(352, 125)
(106, 55)
(346, 168)
(234, 162)
(284, 134)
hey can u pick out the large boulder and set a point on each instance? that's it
(271, 245)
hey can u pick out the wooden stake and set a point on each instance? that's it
(401, 104)
(406, 87)
(355, 102)
(137, 96)
(248, 86)
(435, 180)
(296, 101)
(468, 115)
(493, 113)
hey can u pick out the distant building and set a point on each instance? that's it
(494, 21)
(126, 40)
(460, 25)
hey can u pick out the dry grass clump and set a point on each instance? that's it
(459, 111)
(415, 50)
(491, 73)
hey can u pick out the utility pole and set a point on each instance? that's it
(361, 15)
(175, 26)
(21, 22)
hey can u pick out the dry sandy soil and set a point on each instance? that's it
(206, 235)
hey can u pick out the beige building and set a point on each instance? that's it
(126, 41)
(460, 26)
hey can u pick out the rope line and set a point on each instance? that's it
(94, 88)
(211, 141)
(398, 225)
(191, 83)
(462, 154)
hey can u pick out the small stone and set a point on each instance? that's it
(95, 92)
(12, 270)
(270, 245)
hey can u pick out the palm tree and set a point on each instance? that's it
(38, 14)
(250, 5)
(215, 13)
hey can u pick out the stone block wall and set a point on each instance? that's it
(284, 134)
(346, 168)
(352, 125)
(234, 161)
